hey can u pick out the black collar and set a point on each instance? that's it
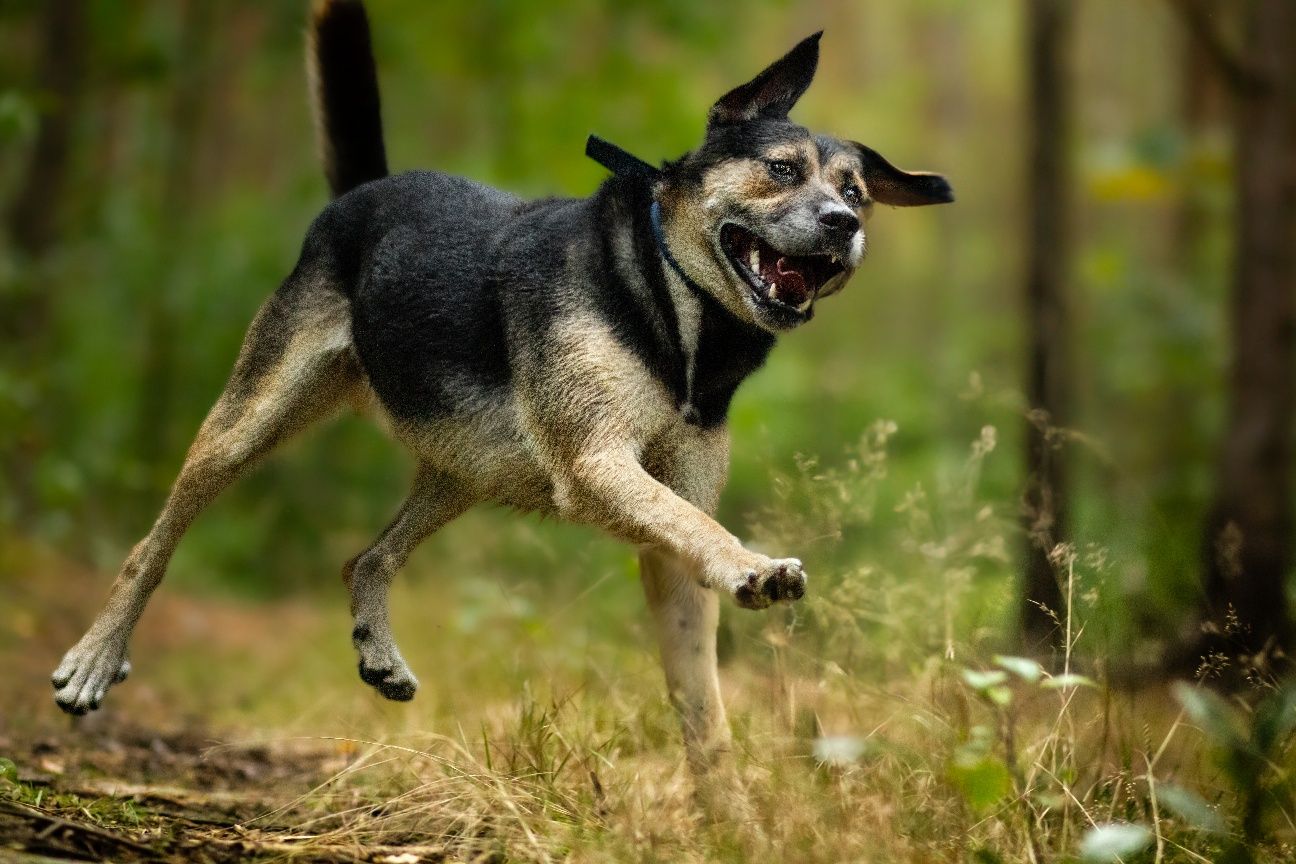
(619, 161)
(625, 164)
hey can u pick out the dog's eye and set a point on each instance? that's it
(782, 170)
(853, 195)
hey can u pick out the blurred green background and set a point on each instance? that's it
(193, 175)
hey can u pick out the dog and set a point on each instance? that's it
(572, 356)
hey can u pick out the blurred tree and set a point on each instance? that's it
(1184, 356)
(190, 99)
(1047, 263)
(33, 221)
(1201, 108)
(1247, 550)
(34, 216)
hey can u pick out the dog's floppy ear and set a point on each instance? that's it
(887, 184)
(773, 92)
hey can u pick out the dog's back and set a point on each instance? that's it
(446, 281)
(413, 256)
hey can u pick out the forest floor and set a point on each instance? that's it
(148, 777)
(126, 792)
(244, 734)
(151, 780)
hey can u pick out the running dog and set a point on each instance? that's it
(572, 356)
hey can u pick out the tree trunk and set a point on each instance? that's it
(1201, 110)
(33, 217)
(1248, 551)
(1174, 437)
(33, 222)
(189, 108)
(1048, 202)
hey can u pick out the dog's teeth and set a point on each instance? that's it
(806, 305)
(753, 260)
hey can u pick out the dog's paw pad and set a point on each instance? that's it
(398, 685)
(398, 689)
(787, 582)
(783, 579)
(381, 665)
(749, 593)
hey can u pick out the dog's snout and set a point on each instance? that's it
(838, 220)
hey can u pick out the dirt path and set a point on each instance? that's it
(157, 787)
(127, 794)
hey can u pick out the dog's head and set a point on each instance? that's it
(768, 217)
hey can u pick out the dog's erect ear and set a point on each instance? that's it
(887, 184)
(773, 92)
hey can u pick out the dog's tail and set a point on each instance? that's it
(344, 83)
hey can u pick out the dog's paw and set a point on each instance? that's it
(87, 671)
(381, 664)
(778, 579)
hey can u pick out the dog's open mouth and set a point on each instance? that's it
(788, 281)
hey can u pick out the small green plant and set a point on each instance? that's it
(1251, 754)
(987, 767)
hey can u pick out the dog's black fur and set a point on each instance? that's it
(429, 261)
(424, 285)
(348, 110)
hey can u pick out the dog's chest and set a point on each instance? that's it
(688, 322)
(716, 354)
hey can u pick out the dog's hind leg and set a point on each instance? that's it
(435, 500)
(296, 365)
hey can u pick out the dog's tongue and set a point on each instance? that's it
(788, 280)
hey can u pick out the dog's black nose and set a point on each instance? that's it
(839, 221)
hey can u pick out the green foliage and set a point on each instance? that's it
(979, 776)
(840, 750)
(1191, 807)
(1024, 668)
(990, 686)
(1253, 752)
(1222, 726)
(17, 118)
(1066, 681)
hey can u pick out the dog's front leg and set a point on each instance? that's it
(685, 616)
(611, 489)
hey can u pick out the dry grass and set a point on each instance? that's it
(542, 732)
